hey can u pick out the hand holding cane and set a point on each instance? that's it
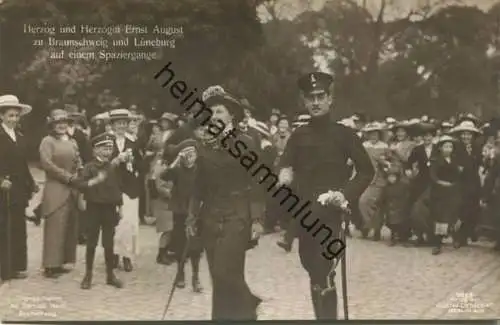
(189, 232)
(8, 229)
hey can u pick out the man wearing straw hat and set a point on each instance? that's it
(315, 160)
(16, 189)
(470, 158)
(127, 231)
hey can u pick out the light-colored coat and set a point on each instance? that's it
(59, 159)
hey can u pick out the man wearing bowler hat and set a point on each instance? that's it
(315, 161)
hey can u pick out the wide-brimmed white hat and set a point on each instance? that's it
(101, 117)
(374, 126)
(120, 114)
(169, 117)
(11, 101)
(304, 118)
(445, 138)
(404, 124)
(390, 120)
(465, 126)
(261, 127)
(349, 122)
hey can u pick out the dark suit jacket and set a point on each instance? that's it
(131, 184)
(83, 143)
(470, 163)
(419, 157)
(14, 165)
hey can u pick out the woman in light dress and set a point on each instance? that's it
(377, 150)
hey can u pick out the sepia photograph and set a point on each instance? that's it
(248, 160)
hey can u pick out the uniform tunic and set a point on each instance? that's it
(368, 202)
(59, 159)
(318, 154)
(16, 169)
(224, 187)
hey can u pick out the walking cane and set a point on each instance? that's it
(343, 270)
(8, 267)
(172, 290)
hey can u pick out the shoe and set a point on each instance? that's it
(457, 244)
(197, 285)
(127, 264)
(364, 233)
(82, 240)
(286, 246)
(19, 276)
(180, 282)
(116, 261)
(51, 273)
(62, 270)
(436, 251)
(113, 281)
(86, 282)
(474, 238)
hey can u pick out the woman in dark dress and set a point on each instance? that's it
(469, 155)
(224, 202)
(16, 189)
(445, 191)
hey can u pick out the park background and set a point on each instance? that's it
(397, 58)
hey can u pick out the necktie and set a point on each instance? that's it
(469, 149)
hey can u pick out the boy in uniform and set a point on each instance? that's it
(101, 187)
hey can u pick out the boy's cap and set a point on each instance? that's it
(103, 139)
(175, 149)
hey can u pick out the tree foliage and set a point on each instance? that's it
(224, 43)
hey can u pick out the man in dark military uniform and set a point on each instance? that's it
(315, 162)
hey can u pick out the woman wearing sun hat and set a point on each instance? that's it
(226, 209)
(469, 155)
(16, 189)
(418, 169)
(445, 195)
(401, 145)
(60, 160)
(377, 151)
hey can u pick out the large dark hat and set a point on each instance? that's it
(78, 118)
(425, 128)
(315, 81)
(58, 115)
(103, 139)
(216, 95)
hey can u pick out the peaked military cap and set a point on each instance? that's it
(315, 81)
(103, 139)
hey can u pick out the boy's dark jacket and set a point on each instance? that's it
(182, 184)
(393, 202)
(107, 192)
